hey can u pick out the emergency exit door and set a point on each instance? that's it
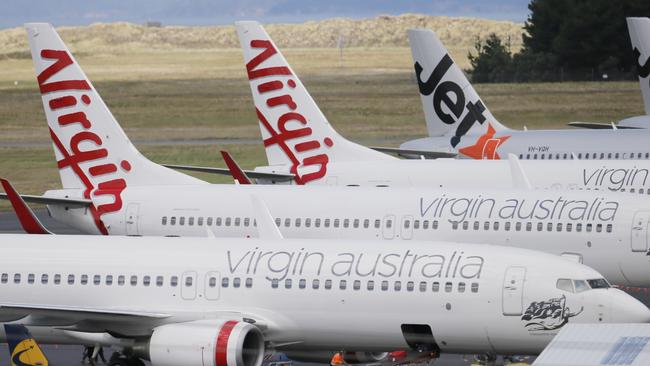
(640, 231)
(513, 290)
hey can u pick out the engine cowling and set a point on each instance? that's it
(201, 343)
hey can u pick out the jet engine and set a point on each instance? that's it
(202, 343)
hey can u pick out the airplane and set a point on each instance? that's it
(23, 349)
(458, 120)
(110, 188)
(639, 29)
(228, 302)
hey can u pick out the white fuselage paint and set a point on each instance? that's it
(317, 318)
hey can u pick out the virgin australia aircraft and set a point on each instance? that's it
(110, 188)
(459, 121)
(227, 302)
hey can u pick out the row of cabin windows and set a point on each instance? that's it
(370, 285)
(209, 221)
(108, 280)
(632, 190)
(236, 282)
(586, 156)
(529, 226)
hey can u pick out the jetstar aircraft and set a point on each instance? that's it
(110, 188)
(227, 302)
(639, 29)
(459, 121)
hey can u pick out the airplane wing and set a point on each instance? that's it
(411, 153)
(224, 171)
(598, 126)
(70, 202)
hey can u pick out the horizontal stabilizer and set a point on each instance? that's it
(599, 126)
(415, 154)
(224, 171)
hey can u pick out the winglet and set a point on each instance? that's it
(614, 126)
(25, 215)
(266, 226)
(519, 178)
(236, 172)
(21, 342)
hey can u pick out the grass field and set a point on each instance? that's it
(370, 97)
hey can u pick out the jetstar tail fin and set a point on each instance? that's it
(639, 29)
(451, 105)
(295, 131)
(23, 349)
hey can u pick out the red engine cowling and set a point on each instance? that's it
(202, 343)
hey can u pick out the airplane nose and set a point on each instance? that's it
(627, 309)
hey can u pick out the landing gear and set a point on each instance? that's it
(120, 359)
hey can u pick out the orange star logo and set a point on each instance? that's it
(485, 147)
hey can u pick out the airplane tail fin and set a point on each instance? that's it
(295, 131)
(23, 349)
(639, 29)
(451, 105)
(92, 151)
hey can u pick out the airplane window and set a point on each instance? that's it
(527, 156)
(557, 156)
(549, 226)
(134, 280)
(212, 282)
(371, 285)
(218, 221)
(315, 284)
(4, 278)
(236, 282)
(173, 221)
(389, 224)
(461, 286)
(120, 280)
(580, 156)
(287, 222)
(278, 221)
(599, 283)
(609, 226)
(398, 285)
(70, 279)
(307, 222)
(199, 221)
(616, 156)
(425, 224)
(507, 225)
(146, 280)
(602, 155)
(540, 226)
(302, 283)
(565, 156)
(190, 221)
(569, 227)
(287, 283)
(529, 226)
(609, 155)
(631, 190)
(346, 223)
(559, 226)
(423, 286)
(181, 220)
(159, 281)
(495, 226)
(377, 223)
(448, 287)
(518, 226)
(465, 225)
(343, 284)
(521, 156)
(97, 279)
(328, 284)
(474, 286)
(356, 285)
(44, 278)
(30, 278)
(249, 282)
(454, 225)
(578, 227)
(326, 223)
(298, 222)
(409, 286)
(274, 283)
(84, 279)
(542, 156)
(580, 285)
(550, 156)
(416, 224)
(599, 228)
(534, 156)
(564, 285)
(224, 281)
(366, 223)
(434, 224)
(337, 222)
(355, 223)
(209, 223)
(247, 221)
(588, 228)
(384, 285)
(228, 221)
(317, 222)
(109, 280)
(164, 220)
(237, 221)
(407, 223)
(647, 155)
(476, 225)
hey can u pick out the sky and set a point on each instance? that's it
(14, 13)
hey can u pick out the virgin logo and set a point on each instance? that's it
(276, 93)
(102, 171)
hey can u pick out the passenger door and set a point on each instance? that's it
(131, 219)
(639, 240)
(513, 291)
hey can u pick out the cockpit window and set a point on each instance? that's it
(580, 285)
(599, 283)
(564, 284)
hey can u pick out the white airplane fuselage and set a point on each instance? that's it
(608, 231)
(327, 294)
